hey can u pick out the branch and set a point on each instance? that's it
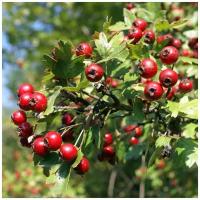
(111, 184)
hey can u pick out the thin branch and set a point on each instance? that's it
(111, 184)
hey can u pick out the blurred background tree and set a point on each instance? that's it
(31, 30)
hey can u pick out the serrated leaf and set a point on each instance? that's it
(80, 86)
(178, 24)
(162, 141)
(192, 158)
(162, 25)
(188, 60)
(189, 130)
(41, 127)
(119, 26)
(129, 17)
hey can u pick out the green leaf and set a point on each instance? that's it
(189, 130)
(119, 26)
(178, 24)
(153, 157)
(78, 159)
(188, 60)
(41, 127)
(162, 141)
(106, 25)
(63, 171)
(129, 17)
(162, 25)
(135, 152)
(49, 160)
(82, 85)
(137, 51)
(47, 77)
(192, 158)
(121, 150)
(144, 14)
(48, 61)
(96, 135)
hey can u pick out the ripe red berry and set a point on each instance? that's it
(168, 78)
(67, 119)
(108, 139)
(39, 146)
(18, 117)
(83, 166)
(167, 39)
(185, 85)
(138, 131)
(84, 49)
(149, 36)
(133, 141)
(192, 42)
(153, 91)
(186, 53)
(135, 35)
(108, 151)
(24, 101)
(169, 55)
(24, 142)
(94, 72)
(130, 6)
(38, 102)
(147, 68)
(68, 151)
(25, 88)
(128, 129)
(176, 43)
(140, 23)
(25, 129)
(53, 140)
(171, 93)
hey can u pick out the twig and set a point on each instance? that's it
(111, 184)
(142, 183)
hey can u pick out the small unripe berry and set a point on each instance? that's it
(169, 55)
(84, 49)
(185, 85)
(25, 88)
(18, 117)
(94, 72)
(68, 152)
(53, 140)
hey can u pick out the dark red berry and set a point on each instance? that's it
(68, 152)
(67, 119)
(108, 139)
(149, 36)
(133, 140)
(25, 129)
(135, 35)
(171, 94)
(192, 42)
(24, 142)
(83, 166)
(94, 72)
(168, 78)
(24, 101)
(18, 117)
(167, 39)
(147, 68)
(108, 151)
(84, 49)
(68, 136)
(169, 55)
(176, 43)
(54, 140)
(38, 102)
(39, 146)
(130, 6)
(25, 88)
(153, 91)
(140, 23)
(185, 85)
(195, 54)
(129, 128)
(138, 131)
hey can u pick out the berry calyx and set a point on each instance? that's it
(168, 78)
(169, 55)
(129, 128)
(83, 166)
(53, 140)
(94, 72)
(39, 146)
(38, 102)
(67, 119)
(68, 152)
(185, 85)
(24, 101)
(153, 91)
(84, 49)
(135, 35)
(133, 141)
(25, 129)
(108, 139)
(18, 117)
(138, 131)
(147, 68)
(149, 36)
(25, 88)
(140, 23)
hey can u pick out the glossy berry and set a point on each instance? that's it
(149, 36)
(84, 49)
(186, 53)
(108, 151)
(130, 128)
(24, 101)
(169, 55)
(67, 119)
(176, 43)
(167, 39)
(168, 78)
(153, 91)
(135, 35)
(133, 140)
(68, 152)
(25, 88)
(138, 131)
(140, 23)
(25, 129)
(108, 139)
(53, 140)
(18, 117)
(38, 102)
(83, 166)
(185, 85)
(130, 6)
(24, 142)
(147, 68)
(94, 72)
(39, 146)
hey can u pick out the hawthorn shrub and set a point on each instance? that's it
(130, 93)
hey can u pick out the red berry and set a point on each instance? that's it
(186, 53)
(140, 23)
(160, 164)
(25, 129)
(185, 85)
(167, 38)
(39, 146)
(138, 131)
(108, 151)
(149, 36)
(171, 93)
(24, 142)
(135, 35)
(147, 68)
(54, 140)
(83, 166)
(133, 141)
(130, 6)
(18, 117)
(25, 88)
(68, 136)
(94, 72)
(195, 54)
(168, 78)
(108, 139)
(84, 49)
(192, 42)
(112, 82)
(38, 102)
(153, 91)
(169, 55)
(67, 119)
(68, 151)
(24, 101)
(128, 129)
(176, 43)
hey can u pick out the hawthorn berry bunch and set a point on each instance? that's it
(122, 95)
